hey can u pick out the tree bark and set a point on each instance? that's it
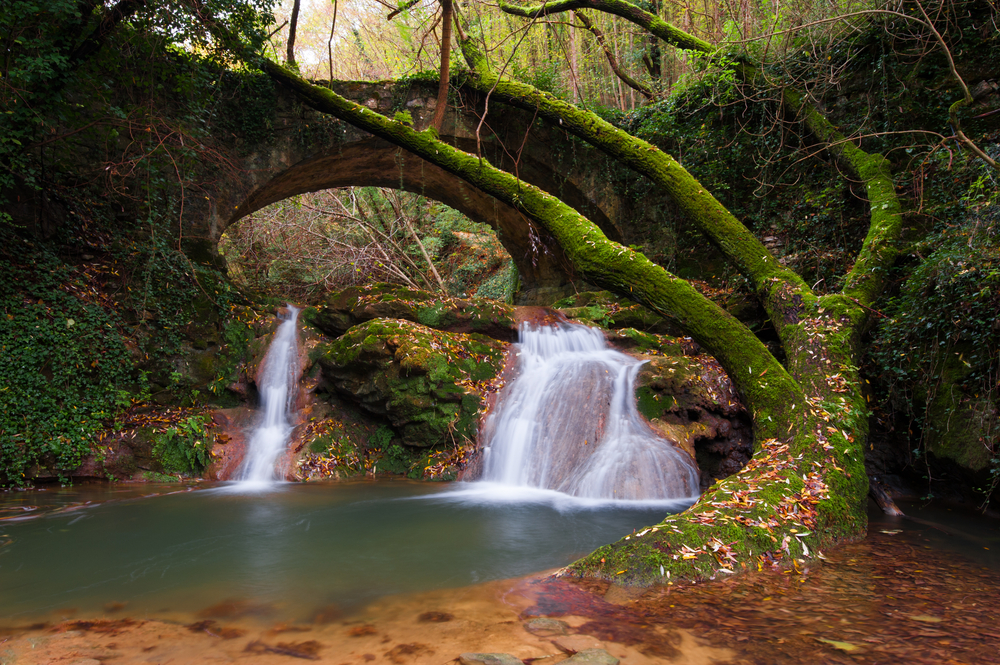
(293, 23)
(447, 12)
(612, 60)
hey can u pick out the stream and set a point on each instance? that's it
(399, 572)
(410, 573)
(292, 549)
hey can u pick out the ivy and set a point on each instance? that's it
(184, 448)
(65, 364)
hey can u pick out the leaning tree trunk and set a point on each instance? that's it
(819, 334)
(805, 487)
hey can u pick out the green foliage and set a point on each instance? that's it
(381, 438)
(154, 477)
(502, 285)
(473, 263)
(184, 448)
(547, 77)
(236, 336)
(320, 444)
(937, 352)
(247, 107)
(394, 458)
(64, 360)
(50, 46)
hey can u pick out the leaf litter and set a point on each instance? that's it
(877, 601)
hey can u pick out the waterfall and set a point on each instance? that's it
(568, 422)
(277, 381)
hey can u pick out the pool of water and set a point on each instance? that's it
(397, 573)
(286, 551)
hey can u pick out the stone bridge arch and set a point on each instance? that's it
(307, 151)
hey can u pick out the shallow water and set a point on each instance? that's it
(291, 549)
(921, 589)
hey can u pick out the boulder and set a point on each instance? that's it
(605, 309)
(427, 383)
(358, 304)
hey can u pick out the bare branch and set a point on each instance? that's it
(599, 36)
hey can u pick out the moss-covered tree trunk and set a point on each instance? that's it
(819, 334)
(805, 487)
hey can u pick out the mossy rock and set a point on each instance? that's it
(425, 382)
(691, 401)
(340, 311)
(605, 309)
(958, 426)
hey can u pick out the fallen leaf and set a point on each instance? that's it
(843, 646)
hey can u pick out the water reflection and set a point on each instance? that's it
(293, 549)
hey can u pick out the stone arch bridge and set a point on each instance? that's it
(306, 151)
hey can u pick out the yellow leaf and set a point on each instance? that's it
(843, 646)
(926, 618)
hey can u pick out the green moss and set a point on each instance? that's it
(354, 305)
(651, 403)
(423, 380)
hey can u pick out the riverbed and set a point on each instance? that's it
(401, 572)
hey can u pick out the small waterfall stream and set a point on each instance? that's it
(568, 422)
(276, 383)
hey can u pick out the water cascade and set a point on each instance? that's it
(277, 380)
(568, 422)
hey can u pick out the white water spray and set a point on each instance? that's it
(568, 422)
(277, 400)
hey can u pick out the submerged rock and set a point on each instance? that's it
(546, 627)
(577, 643)
(354, 305)
(591, 657)
(427, 383)
(489, 659)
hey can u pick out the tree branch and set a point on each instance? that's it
(626, 10)
(123, 10)
(727, 233)
(402, 8)
(599, 36)
(867, 278)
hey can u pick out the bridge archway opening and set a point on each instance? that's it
(543, 269)
(313, 243)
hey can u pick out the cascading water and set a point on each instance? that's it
(568, 422)
(277, 383)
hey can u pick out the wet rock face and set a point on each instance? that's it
(683, 392)
(690, 399)
(354, 305)
(427, 383)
